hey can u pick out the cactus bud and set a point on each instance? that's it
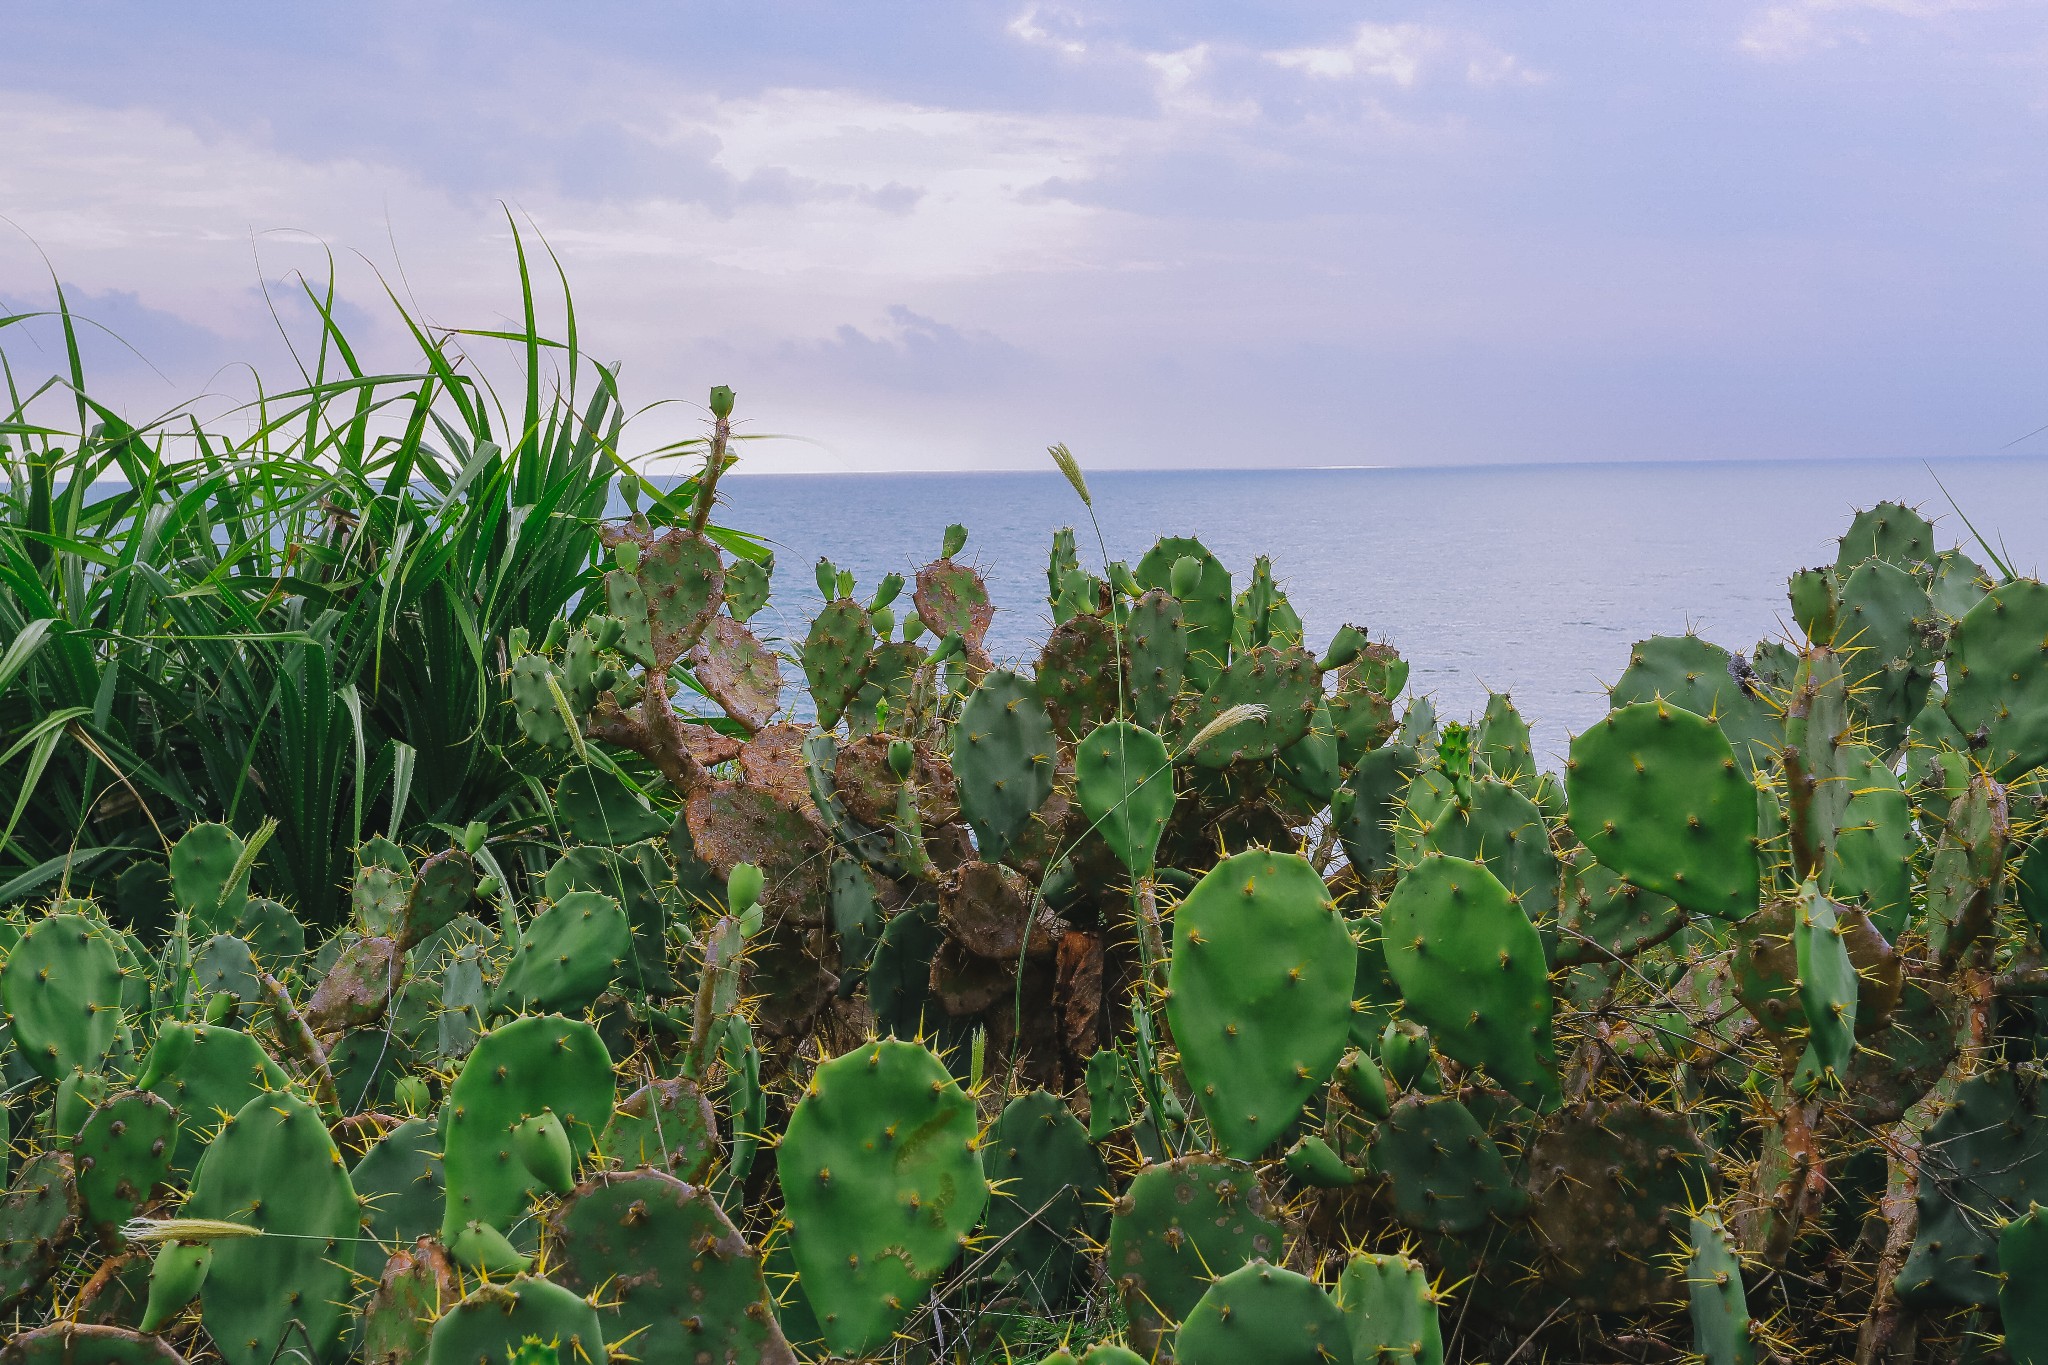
(954, 542)
(558, 631)
(1360, 1077)
(846, 583)
(949, 648)
(518, 640)
(542, 1146)
(1814, 601)
(886, 592)
(901, 759)
(1404, 1052)
(488, 889)
(175, 1278)
(473, 835)
(828, 578)
(721, 401)
(883, 621)
(1123, 580)
(1346, 645)
(913, 626)
(1184, 577)
(626, 554)
(607, 631)
(482, 1247)
(977, 1061)
(173, 1044)
(413, 1095)
(219, 1006)
(743, 888)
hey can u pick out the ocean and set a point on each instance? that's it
(1531, 580)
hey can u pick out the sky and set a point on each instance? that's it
(1169, 233)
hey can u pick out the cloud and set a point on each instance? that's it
(1400, 54)
(1802, 27)
(912, 352)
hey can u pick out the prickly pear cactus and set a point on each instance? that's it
(1722, 1332)
(1657, 796)
(1982, 1162)
(498, 1318)
(1261, 1312)
(1051, 1195)
(61, 986)
(673, 1275)
(882, 1182)
(37, 1217)
(1390, 1313)
(1005, 754)
(1470, 966)
(273, 1167)
(121, 1155)
(1448, 1174)
(1259, 994)
(1177, 1226)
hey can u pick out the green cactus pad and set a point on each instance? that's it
(74, 1343)
(1178, 1226)
(400, 1184)
(627, 604)
(1156, 643)
(1206, 610)
(1263, 1313)
(1611, 1188)
(1870, 863)
(1448, 1175)
(882, 1182)
(572, 953)
(1657, 796)
(1079, 674)
(1884, 632)
(1005, 755)
(355, 991)
(1124, 780)
(221, 1073)
(492, 1323)
(1966, 877)
(225, 965)
(1500, 742)
(517, 1070)
(1982, 1162)
(1470, 967)
(37, 1217)
(534, 706)
(676, 1280)
(61, 987)
(835, 657)
(634, 877)
(1259, 994)
(1050, 1195)
(383, 880)
(2022, 1306)
(1998, 677)
(1367, 804)
(1487, 822)
(1285, 681)
(1713, 1280)
(667, 1126)
(444, 888)
(1389, 1312)
(747, 584)
(1827, 987)
(1692, 673)
(683, 579)
(1889, 531)
(273, 1167)
(203, 877)
(122, 1153)
(1603, 918)
(742, 675)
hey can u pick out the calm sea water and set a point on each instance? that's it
(1529, 580)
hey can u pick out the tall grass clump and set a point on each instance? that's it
(296, 611)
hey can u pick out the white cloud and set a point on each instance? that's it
(1798, 28)
(1403, 54)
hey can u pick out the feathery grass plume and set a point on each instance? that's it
(185, 1230)
(1071, 467)
(1225, 719)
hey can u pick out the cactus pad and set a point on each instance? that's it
(1998, 677)
(122, 1153)
(1178, 1226)
(835, 657)
(882, 1182)
(1156, 640)
(665, 1125)
(676, 1280)
(1263, 1313)
(1448, 1175)
(1005, 755)
(1713, 1281)
(1389, 1312)
(1079, 673)
(1656, 794)
(1470, 967)
(274, 1168)
(1984, 1161)
(492, 1323)
(1285, 681)
(1259, 994)
(37, 1217)
(61, 986)
(742, 675)
(1051, 1195)
(1701, 677)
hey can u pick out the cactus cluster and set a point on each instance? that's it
(1185, 995)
